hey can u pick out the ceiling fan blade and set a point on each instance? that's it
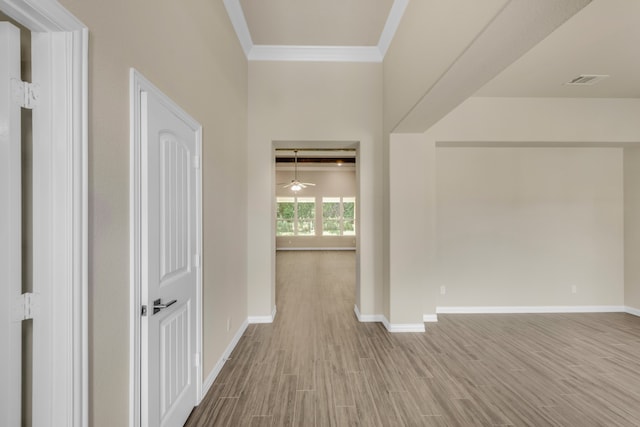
(308, 184)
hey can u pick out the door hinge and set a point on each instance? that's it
(196, 162)
(25, 308)
(196, 361)
(196, 260)
(143, 311)
(25, 94)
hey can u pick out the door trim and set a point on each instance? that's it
(60, 66)
(138, 83)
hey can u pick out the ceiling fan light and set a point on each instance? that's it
(296, 187)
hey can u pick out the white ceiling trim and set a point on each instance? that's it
(314, 53)
(236, 15)
(390, 27)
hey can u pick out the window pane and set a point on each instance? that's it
(306, 227)
(331, 216)
(349, 227)
(285, 215)
(349, 209)
(306, 208)
(286, 208)
(349, 216)
(331, 227)
(306, 216)
(284, 227)
(331, 210)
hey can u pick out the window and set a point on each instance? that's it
(296, 216)
(338, 216)
(306, 210)
(348, 216)
(285, 218)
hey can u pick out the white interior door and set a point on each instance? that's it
(10, 230)
(170, 262)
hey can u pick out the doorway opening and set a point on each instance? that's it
(316, 207)
(44, 295)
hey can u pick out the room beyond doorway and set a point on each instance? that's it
(323, 214)
(316, 199)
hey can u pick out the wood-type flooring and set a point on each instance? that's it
(316, 365)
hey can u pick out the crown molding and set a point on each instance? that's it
(314, 53)
(391, 26)
(236, 15)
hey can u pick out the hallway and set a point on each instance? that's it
(316, 365)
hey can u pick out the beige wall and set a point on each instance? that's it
(521, 226)
(632, 227)
(423, 48)
(328, 183)
(190, 51)
(313, 104)
(413, 234)
(425, 45)
(483, 122)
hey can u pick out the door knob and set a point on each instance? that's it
(158, 305)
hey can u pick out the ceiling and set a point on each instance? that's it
(600, 39)
(316, 23)
(315, 30)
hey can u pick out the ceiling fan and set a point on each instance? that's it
(295, 185)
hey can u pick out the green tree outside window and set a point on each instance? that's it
(338, 216)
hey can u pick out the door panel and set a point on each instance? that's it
(10, 230)
(169, 246)
(174, 207)
(174, 366)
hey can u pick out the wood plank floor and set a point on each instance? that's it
(316, 365)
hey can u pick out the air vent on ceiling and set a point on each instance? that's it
(586, 79)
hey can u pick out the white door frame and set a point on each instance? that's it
(138, 84)
(10, 230)
(60, 68)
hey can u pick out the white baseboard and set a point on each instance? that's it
(532, 309)
(208, 382)
(391, 327)
(318, 249)
(631, 310)
(430, 318)
(263, 319)
(365, 318)
(403, 327)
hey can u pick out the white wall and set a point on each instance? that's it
(632, 227)
(521, 226)
(337, 182)
(311, 105)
